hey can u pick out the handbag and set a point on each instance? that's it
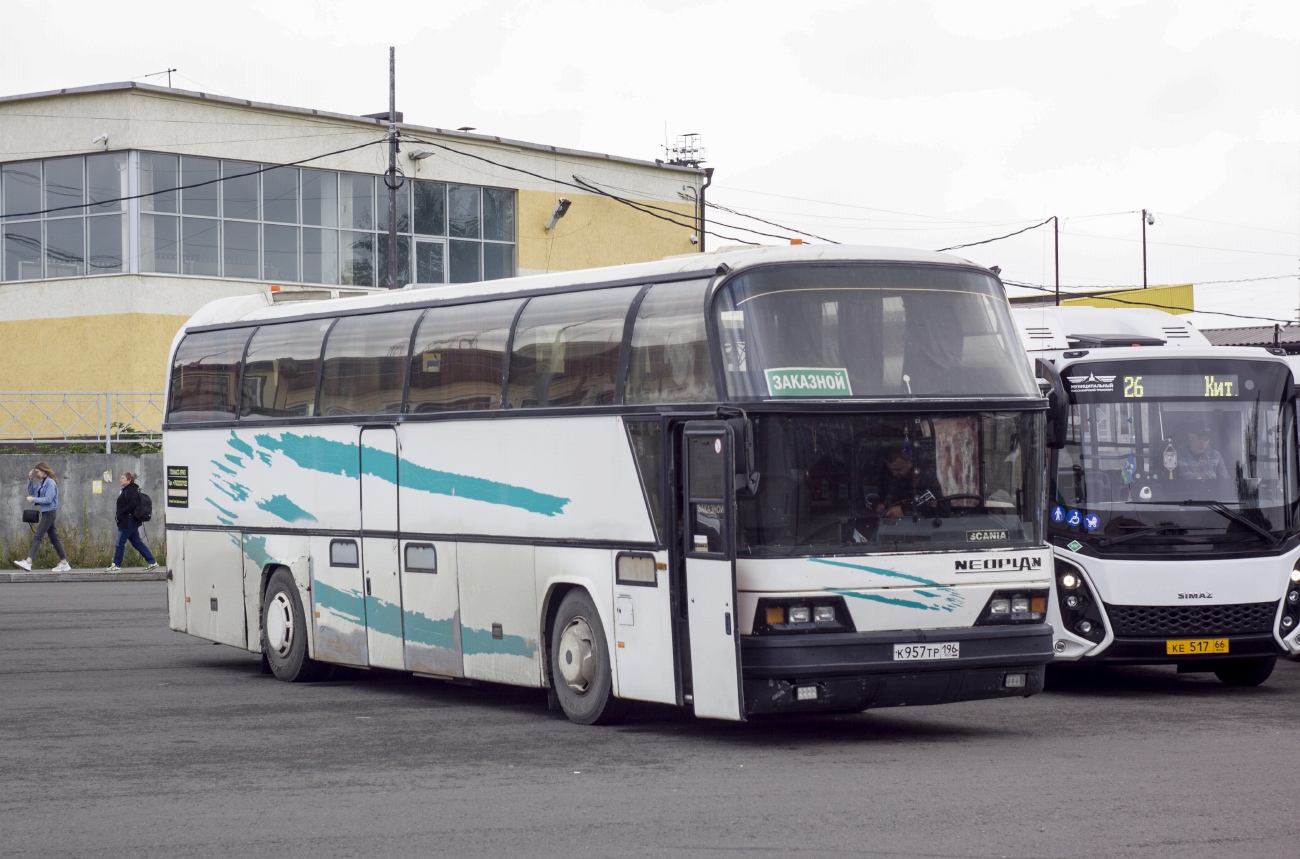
(31, 516)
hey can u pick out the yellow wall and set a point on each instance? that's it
(597, 231)
(117, 352)
(1171, 299)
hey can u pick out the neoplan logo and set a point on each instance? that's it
(974, 565)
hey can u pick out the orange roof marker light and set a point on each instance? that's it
(796, 241)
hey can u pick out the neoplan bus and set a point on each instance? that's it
(791, 479)
(1173, 507)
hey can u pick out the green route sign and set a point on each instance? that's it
(808, 382)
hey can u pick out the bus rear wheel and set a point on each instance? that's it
(580, 665)
(1245, 672)
(284, 631)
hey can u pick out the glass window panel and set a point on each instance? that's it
(465, 261)
(429, 267)
(365, 364)
(199, 246)
(65, 247)
(281, 253)
(158, 173)
(459, 357)
(499, 214)
(463, 209)
(105, 239)
(205, 376)
(203, 199)
(430, 208)
(106, 181)
(320, 198)
(280, 370)
(280, 195)
(357, 201)
(65, 185)
(647, 447)
(159, 243)
(669, 362)
(566, 349)
(320, 256)
(357, 259)
(403, 260)
(498, 261)
(22, 188)
(22, 250)
(403, 207)
(239, 190)
(239, 245)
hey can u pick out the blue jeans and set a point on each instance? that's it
(131, 534)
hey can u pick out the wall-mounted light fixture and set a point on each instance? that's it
(561, 209)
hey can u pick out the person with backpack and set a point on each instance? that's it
(132, 509)
(43, 491)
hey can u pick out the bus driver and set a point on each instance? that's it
(1200, 461)
(902, 483)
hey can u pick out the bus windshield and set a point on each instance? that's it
(1177, 453)
(846, 484)
(880, 331)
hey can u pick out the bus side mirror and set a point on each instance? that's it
(742, 435)
(1058, 403)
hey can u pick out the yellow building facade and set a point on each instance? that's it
(102, 258)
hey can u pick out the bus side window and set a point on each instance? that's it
(205, 376)
(669, 361)
(566, 349)
(459, 357)
(280, 370)
(365, 364)
(343, 553)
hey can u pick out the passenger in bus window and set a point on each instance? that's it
(1199, 461)
(903, 484)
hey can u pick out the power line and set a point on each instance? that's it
(1050, 290)
(996, 238)
(193, 185)
(771, 223)
(1176, 244)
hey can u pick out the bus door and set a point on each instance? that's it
(709, 549)
(384, 635)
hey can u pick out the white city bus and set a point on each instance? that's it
(1173, 504)
(790, 479)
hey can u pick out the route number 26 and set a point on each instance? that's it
(1133, 386)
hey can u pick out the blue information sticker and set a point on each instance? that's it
(1073, 518)
(1058, 514)
(1092, 521)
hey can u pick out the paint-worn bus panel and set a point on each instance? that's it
(261, 552)
(176, 615)
(643, 637)
(431, 608)
(499, 623)
(338, 600)
(214, 587)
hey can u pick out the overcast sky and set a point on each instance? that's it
(922, 124)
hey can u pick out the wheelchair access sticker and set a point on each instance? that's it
(1073, 518)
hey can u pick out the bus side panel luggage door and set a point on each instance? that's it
(500, 635)
(383, 585)
(214, 587)
(176, 613)
(709, 548)
(338, 598)
(431, 608)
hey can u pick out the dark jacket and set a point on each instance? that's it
(127, 501)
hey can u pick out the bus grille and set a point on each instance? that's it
(1136, 621)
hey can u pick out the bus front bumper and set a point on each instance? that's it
(857, 670)
(1153, 651)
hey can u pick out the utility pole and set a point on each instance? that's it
(708, 180)
(1147, 218)
(390, 178)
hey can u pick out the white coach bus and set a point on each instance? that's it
(1173, 506)
(789, 479)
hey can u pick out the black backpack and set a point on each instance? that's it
(144, 509)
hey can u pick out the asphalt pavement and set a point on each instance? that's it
(119, 737)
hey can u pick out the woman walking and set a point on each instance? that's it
(128, 528)
(43, 491)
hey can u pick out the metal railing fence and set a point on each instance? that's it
(99, 417)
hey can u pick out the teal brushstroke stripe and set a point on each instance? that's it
(222, 509)
(255, 551)
(281, 506)
(889, 600)
(240, 445)
(383, 616)
(878, 571)
(346, 604)
(235, 459)
(480, 641)
(379, 463)
(477, 489)
(229, 471)
(422, 629)
(314, 453)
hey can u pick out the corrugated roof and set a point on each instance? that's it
(1256, 335)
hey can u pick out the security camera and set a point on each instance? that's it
(561, 209)
(103, 138)
(695, 240)
(1151, 218)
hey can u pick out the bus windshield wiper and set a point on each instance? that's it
(1143, 532)
(1228, 513)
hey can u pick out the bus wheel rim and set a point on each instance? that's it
(577, 655)
(279, 624)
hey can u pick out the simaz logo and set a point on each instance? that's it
(1196, 596)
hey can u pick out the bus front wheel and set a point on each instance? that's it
(580, 667)
(284, 631)
(1245, 672)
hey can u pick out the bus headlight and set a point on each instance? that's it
(1020, 606)
(802, 615)
(1080, 610)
